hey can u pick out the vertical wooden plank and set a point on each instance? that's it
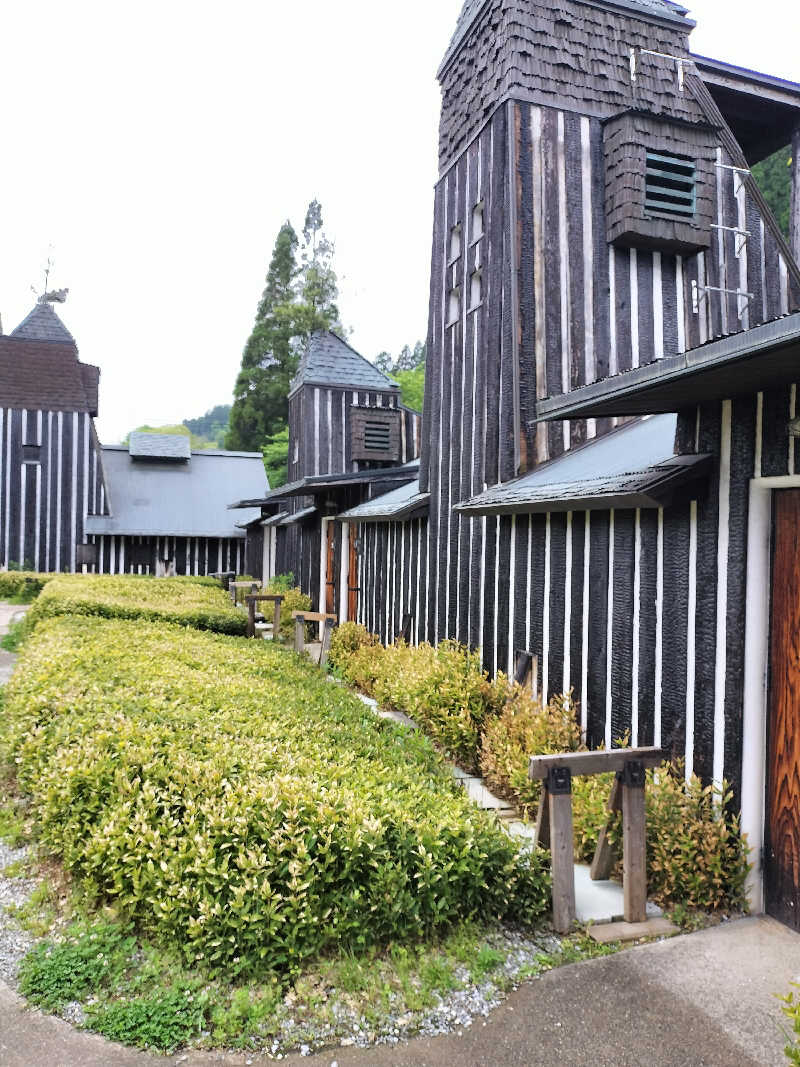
(562, 860)
(604, 853)
(299, 633)
(634, 873)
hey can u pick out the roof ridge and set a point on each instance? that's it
(369, 362)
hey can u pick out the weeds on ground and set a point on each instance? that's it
(12, 640)
(38, 914)
(12, 824)
(791, 1009)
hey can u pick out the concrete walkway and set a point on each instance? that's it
(8, 613)
(700, 1000)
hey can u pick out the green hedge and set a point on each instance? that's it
(179, 600)
(17, 584)
(227, 797)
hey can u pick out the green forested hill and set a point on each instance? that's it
(775, 179)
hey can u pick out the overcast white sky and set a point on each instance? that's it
(159, 146)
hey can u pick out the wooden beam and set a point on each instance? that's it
(634, 845)
(299, 631)
(584, 763)
(605, 853)
(543, 820)
(326, 642)
(562, 857)
(251, 602)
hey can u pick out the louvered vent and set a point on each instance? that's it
(670, 185)
(377, 436)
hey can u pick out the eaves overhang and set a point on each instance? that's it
(653, 487)
(745, 363)
(320, 483)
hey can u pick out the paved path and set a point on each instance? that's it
(701, 1000)
(8, 613)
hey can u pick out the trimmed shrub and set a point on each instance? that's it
(227, 798)
(523, 729)
(23, 585)
(294, 600)
(178, 600)
(348, 639)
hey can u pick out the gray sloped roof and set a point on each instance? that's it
(660, 9)
(42, 324)
(328, 360)
(398, 504)
(159, 445)
(165, 498)
(635, 466)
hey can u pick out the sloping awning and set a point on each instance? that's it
(321, 483)
(744, 363)
(298, 516)
(407, 502)
(632, 467)
(276, 519)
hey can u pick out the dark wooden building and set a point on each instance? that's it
(611, 414)
(68, 503)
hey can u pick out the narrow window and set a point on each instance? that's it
(455, 242)
(477, 222)
(670, 185)
(455, 306)
(475, 290)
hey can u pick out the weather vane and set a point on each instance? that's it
(54, 296)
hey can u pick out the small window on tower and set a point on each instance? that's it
(455, 243)
(477, 222)
(454, 309)
(475, 290)
(670, 185)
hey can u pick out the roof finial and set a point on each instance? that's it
(54, 296)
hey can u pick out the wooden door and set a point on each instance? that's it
(782, 831)
(353, 588)
(330, 568)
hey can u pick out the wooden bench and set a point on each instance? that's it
(554, 824)
(259, 598)
(327, 622)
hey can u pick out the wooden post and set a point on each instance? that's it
(634, 851)
(604, 853)
(276, 619)
(559, 786)
(543, 820)
(251, 617)
(794, 216)
(326, 642)
(299, 633)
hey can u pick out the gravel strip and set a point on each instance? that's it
(14, 942)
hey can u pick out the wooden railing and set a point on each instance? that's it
(554, 824)
(259, 598)
(327, 621)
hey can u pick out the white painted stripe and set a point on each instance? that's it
(705, 305)
(691, 631)
(563, 258)
(587, 548)
(9, 419)
(722, 175)
(330, 431)
(85, 420)
(496, 611)
(783, 280)
(316, 431)
(3, 498)
(759, 434)
(482, 586)
(546, 615)
(659, 657)
(658, 307)
(764, 299)
(792, 414)
(741, 203)
(566, 684)
(512, 596)
(590, 365)
(680, 304)
(73, 526)
(613, 360)
(37, 562)
(59, 563)
(634, 276)
(23, 471)
(609, 627)
(637, 595)
(539, 289)
(723, 541)
(528, 586)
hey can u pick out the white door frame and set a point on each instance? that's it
(344, 573)
(756, 671)
(268, 553)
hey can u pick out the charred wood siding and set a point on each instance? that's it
(50, 479)
(196, 556)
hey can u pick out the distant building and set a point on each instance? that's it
(67, 502)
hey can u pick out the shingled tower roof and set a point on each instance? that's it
(328, 360)
(42, 324)
(661, 10)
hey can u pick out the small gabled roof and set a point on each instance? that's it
(328, 360)
(632, 467)
(42, 324)
(653, 10)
